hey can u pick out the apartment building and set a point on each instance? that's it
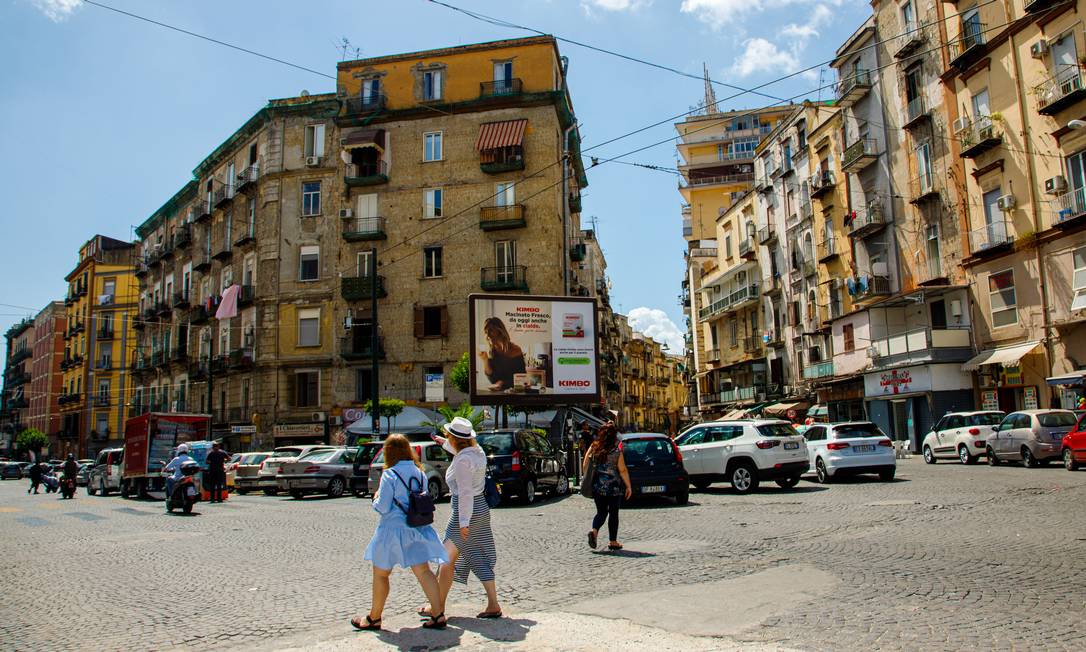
(46, 377)
(18, 350)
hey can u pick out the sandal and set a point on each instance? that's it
(490, 614)
(436, 622)
(614, 546)
(371, 625)
(423, 612)
(592, 540)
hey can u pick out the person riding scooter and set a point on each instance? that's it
(67, 483)
(182, 468)
(174, 468)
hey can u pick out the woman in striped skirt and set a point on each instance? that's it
(469, 540)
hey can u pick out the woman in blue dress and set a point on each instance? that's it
(395, 543)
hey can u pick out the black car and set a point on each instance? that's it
(655, 466)
(360, 474)
(524, 464)
(11, 471)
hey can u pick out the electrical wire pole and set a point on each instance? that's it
(375, 411)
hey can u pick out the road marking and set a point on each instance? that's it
(9, 510)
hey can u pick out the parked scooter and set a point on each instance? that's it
(184, 494)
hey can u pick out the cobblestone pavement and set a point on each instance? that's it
(946, 557)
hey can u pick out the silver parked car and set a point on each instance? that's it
(1032, 436)
(247, 471)
(269, 468)
(320, 471)
(435, 461)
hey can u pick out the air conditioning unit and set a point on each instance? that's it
(312, 161)
(319, 416)
(1038, 49)
(961, 125)
(346, 212)
(1056, 185)
(1006, 202)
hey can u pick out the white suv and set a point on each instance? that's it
(743, 452)
(850, 448)
(960, 435)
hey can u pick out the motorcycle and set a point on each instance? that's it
(184, 494)
(67, 487)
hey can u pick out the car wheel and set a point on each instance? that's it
(337, 487)
(887, 475)
(821, 472)
(682, 498)
(297, 495)
(187, 508)
(1028, 459)
(433, 487)
(743, 477)
(102, 491)
(529, 492)
(992, 459)
(1069, 462)
(271, 492)
(701, 485)
(964, 456)
(90, 489)
(929, 456)
(787, 483)
(562, 488)
(125, 490)
(241, 492)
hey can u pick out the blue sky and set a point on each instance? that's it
(104, 117)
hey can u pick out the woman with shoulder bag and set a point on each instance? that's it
(396, 543)
(609, 481)
(469, 540)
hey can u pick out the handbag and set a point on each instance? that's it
(420, 504)
(491, 491)
(588, 479)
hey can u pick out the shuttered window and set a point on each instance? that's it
(1004, 301)
(431, 321)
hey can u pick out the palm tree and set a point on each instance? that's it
(476, 416)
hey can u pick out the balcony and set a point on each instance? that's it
(821, 183)
(159, 358)
(1037, 6)
(509, 277)
(101, 400)
(142, 269)
(351, 348)
(246, 295)
(859, 155)
(162, 309)
(219, 364)
(104, 334)
(712, 355)
(771, 285)
(166, 252)
(805, 210)
(869, 286)
(969, 46)
(746, 249)
(991, 238)
(744, 295)
(369, 104)
(179, 353)
(752, 344)
(18, 403)
(358, 229)
(722, 179)
(180, 300)
(494, 218)
(922, 345)
(224, 251)
(772, 169)
(713, 309)
(199, 211)
(18, 356)
(505, 159)
(247, 178)
(1060, 91)
(501, 87)
(767, 234)
(916, 112)
(738, 394)
(197, 371)
(578, 251)
(912, 37)
(922, 188)
(852, 88)
(818, 370)
(979, 137)
(183, 237)
(241, 358)
(702, 252)
(201, 262)
(762, 183)
(356, 288)
(16, 379)
(199, 315)
(247, 237)
(575, 203)
(827, 250)
(366, 174)
(868, 222)
(222, 196)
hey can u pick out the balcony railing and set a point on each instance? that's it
(922, 188)
(498, 87)
(181, 299)
(199, 315)
(199, 211)
(247, 178)
(852, 88)
(702, 252)
(746, 248)
(915, 110)
(771, 284)
(729, 179)
(493, 218)
(201, 262)
(101, 400)
(104, 334)
(356, 105)
(241, 358)
(922, 344)
(752, 344)
(18, 355)
(870, 286)
(578, 251)
(767, 234)
(246, 295)
(869, 221)
(805, 210)
(356, 288)
(1061, 90)
(223, 195)
(990, 236)
(827, 250)
(505, 159)
(969, 45)
(179, 353)
(247, 235)
(351, 348)
(712, 355)
(912, 36)
(1069, 207)
(20, 378)
(511, 277)
(738, 394)
(980, 136)
(366, 174)
(821, 183)
(818, 370)
(224, 251)
(364, 228)
(859, 154)
(183, 237)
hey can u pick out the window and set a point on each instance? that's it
(105, 356)
(101, 423)
(505, 194)
(307, 388)
(908, 16)
(1078, 282)
(849, 337)
(431, 85)
(309, 263)
(311, 198)
(363, 385)
(314, 140)
(505, 254)
(981, 109)
(252, 154)
(723, 433)
(433, 200)
(309, 333)
(1002, 298)
(365, 264)
(727, 246)
(733, 332)
(431, 148)
(935, 263)
(371, 91)
(431, 265)
(925, 179)
(431, 321)
(250, 212)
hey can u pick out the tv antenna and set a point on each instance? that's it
(345, 47)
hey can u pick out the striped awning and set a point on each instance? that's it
(495, 135)
(365, 138)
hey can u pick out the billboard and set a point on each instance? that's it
(533, 350)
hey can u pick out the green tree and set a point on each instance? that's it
(465, 410)
(389, 408)
(32, 439)
(461, 373)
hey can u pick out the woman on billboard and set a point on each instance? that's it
(504, 358)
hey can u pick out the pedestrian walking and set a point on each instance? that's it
(35, 477)
(610, 483)
(469, 541)
(216, 472)
(395, 543)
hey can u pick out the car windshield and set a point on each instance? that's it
(778, 430)
(858, 430)
(254, 458)
(1056, 419)
(318, 456)
(379, 460)
(638, 451)
(986, 419)
(497, 443)
(287, 452)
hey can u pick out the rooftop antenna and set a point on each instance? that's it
(345, 46)
(710, 95)
(821, 81)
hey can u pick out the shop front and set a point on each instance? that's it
(1071, 390)
(843, 398)
(300, 434)
(1011, 377)
(906, 402)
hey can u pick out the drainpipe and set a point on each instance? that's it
(694, 332)
(565, 206)
(1034, 202)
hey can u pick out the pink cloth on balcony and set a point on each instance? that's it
(229, 306)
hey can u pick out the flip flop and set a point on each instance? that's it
(614, 546)
(436, 622)
(490, 614)
(371, 625)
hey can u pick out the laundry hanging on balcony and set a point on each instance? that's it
(229, 306)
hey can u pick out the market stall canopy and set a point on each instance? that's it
(412, 421)
(495, 135)
(1008, 356)
(780, 410)
(365, 138)
(1073, 379)
(734, 414)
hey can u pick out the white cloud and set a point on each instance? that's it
(761, 56)
(718, 13)
(801, 32)
(57, 10)
(656, 324)
(614, 5)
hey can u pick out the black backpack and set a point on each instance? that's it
(420, 504)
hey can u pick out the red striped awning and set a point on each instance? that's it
(495, 135)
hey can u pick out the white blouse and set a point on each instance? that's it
(466, 478)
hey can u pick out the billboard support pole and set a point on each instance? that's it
(375, 392)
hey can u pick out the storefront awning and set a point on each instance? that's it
(1073, 379)
(734, 414)
(495, 135)
(1008, 356)
(365, 138)
(781, 409)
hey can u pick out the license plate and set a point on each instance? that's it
(865, 448)
(1057, 436)
(654, 489)
(191, 491)
(791, 445)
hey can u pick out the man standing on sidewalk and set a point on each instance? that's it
(216, 472)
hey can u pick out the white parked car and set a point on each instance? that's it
(266, 477)
(960, 435)
(850, 448)
(743, 452)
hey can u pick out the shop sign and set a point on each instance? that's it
(1011, 376)
(1029, 398)
(242, 430)
(350, 415)
(298, 430)
(898, 381)
(989, 400)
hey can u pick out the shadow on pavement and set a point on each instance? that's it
(765, 489)
(505, 630)
(631, 554)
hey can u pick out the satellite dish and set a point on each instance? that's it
(304, 93)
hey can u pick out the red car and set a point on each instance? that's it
(1074, 446)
